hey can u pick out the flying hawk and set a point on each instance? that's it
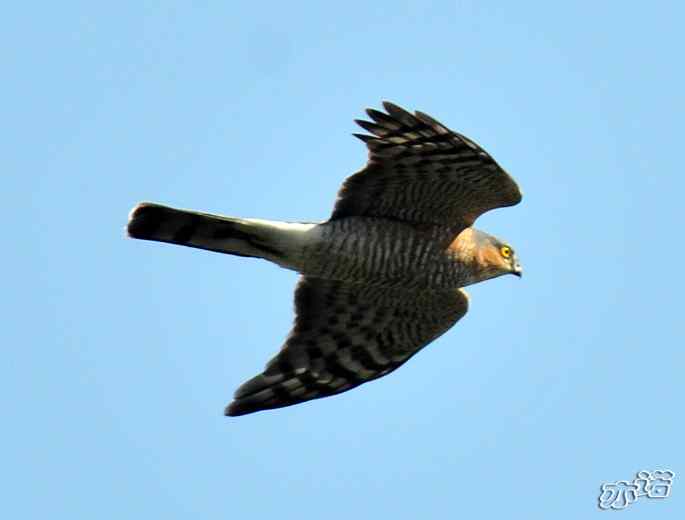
(383, 276)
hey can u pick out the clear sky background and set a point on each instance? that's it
(119, 355)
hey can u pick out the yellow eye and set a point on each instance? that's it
(505, 251)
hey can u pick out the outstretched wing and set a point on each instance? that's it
(420, 171)
(345, 335)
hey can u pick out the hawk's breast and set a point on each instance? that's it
(382, 252)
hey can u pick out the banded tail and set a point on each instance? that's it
(278, 242)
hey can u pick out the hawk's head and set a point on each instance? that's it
(487, 256)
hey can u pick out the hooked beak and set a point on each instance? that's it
(517, 270)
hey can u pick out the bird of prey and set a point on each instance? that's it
(384, 275)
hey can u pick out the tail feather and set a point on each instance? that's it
(230, 235)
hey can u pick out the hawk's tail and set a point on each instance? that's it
(271, 240)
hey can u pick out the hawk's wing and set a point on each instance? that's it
(345, 335)
(420, 171)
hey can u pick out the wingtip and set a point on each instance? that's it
(373, 113)
(431, 121)
(232, 410)
(364, 137)
(239, 407)
(400, 114)
(389, 106)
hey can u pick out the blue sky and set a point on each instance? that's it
(120, 355)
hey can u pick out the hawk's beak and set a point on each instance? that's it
(517, 270)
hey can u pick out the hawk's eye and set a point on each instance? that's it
(505, 251)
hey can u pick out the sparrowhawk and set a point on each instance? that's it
(383, 276)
